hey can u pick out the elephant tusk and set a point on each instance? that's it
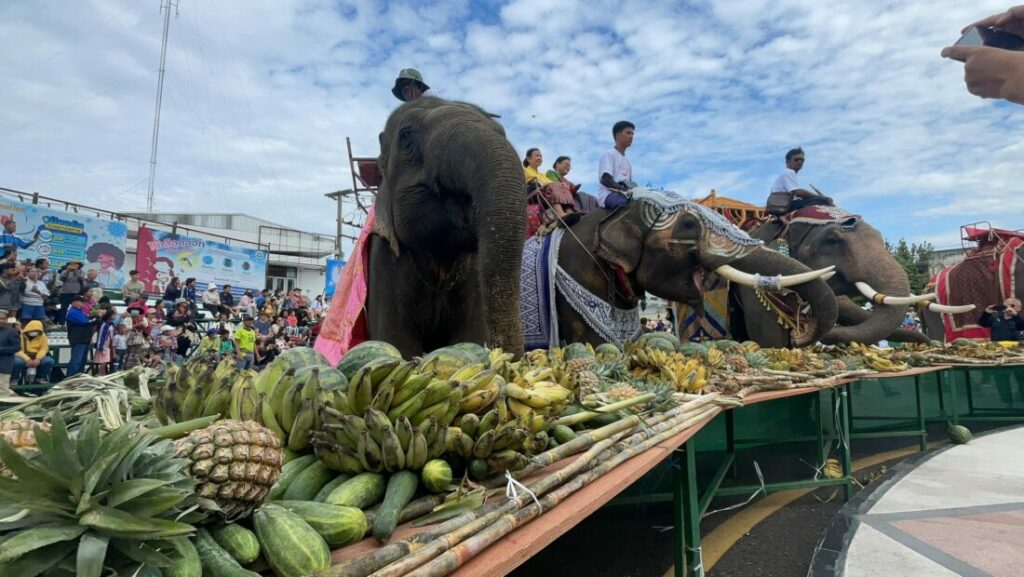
(884, 299)
(950, 309)
(768, 282)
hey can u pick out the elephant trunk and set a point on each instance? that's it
(494, 179)
(887, 277)
(815, 292)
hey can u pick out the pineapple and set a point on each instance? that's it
(578, 365)
(737, 363)
(93, 503)
(235, 462)
(19, 433)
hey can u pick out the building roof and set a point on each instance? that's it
(736, 211)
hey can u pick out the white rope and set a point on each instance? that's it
(698, 568)
(840, 436)
(760, 490)
(512, 493)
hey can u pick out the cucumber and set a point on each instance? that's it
(289, 473)
(339, 526)
(186, 560)
(401, 488)
(321, 497)
(563, 434)
(361, 491)
(309, 482)
(290, 545)
(216, 561)
(239, 542)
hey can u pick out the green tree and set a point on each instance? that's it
(913, 257)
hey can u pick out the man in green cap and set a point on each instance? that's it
(409, 86)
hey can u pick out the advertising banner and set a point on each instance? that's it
(163, 255)
(98, 243)
(334, 268)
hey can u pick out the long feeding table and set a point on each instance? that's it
(689, 503)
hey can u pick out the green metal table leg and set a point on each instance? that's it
(730, 441)
(970, 392)
(691, 512)
(678, 514)
(939, 381)
(841, 394)
(953, 399)
(819, 408)
(923, 438)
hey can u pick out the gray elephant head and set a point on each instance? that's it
(452, 189)
(863, 265)
(664, 244)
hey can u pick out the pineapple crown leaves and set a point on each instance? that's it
(92, 502)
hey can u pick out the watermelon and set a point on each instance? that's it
(693, 349)
(579, 351)
(478, 352)
(300, 357)
(446, 361)
(659, 343)
(725, 345)
(363, 353)
(958, 434)
(660, 335)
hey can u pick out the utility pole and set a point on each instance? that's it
(165, 7)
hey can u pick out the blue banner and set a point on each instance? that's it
(334, 268)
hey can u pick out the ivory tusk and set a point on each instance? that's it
(747, 279)
(883, 299)
(950, 309)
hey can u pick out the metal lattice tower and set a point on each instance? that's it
(165, 7)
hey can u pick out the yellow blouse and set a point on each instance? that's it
(532, 174)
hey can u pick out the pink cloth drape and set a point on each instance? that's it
(345, 326)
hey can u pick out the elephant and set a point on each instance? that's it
(448, 234)
(863, 266)
(988, 275)
(660, 246)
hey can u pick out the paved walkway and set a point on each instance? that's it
(957, 512)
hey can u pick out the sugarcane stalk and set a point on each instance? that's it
(459, 554)
(584, 416)
(590, 460)
(466, 524)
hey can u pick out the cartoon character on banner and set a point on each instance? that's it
(185, 260)
(164, 269)
(107, 260)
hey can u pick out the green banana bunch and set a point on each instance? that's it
(490, 441)
(373, 443)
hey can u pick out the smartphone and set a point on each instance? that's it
(978, 36)
(998, 308)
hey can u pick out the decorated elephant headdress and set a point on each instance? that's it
(719, 237)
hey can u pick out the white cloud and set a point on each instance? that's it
(260, 95)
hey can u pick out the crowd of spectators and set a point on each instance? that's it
(142, 329)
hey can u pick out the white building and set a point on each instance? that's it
(298, 259)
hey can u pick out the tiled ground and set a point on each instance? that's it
(960, 512)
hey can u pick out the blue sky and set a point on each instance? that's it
(260, 95)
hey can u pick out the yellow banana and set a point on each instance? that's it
(467, 372)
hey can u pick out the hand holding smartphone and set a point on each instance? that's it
(987, 36)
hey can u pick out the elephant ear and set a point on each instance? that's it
(620, 238)
(383, 204)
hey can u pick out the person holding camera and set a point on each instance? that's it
(1004, 320)
(990, 71)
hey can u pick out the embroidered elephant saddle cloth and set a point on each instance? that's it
(817, 214)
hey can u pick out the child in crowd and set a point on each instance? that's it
(227, 346)
(104, 353)
(138, 346)
(120, 346)
(168, 344)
